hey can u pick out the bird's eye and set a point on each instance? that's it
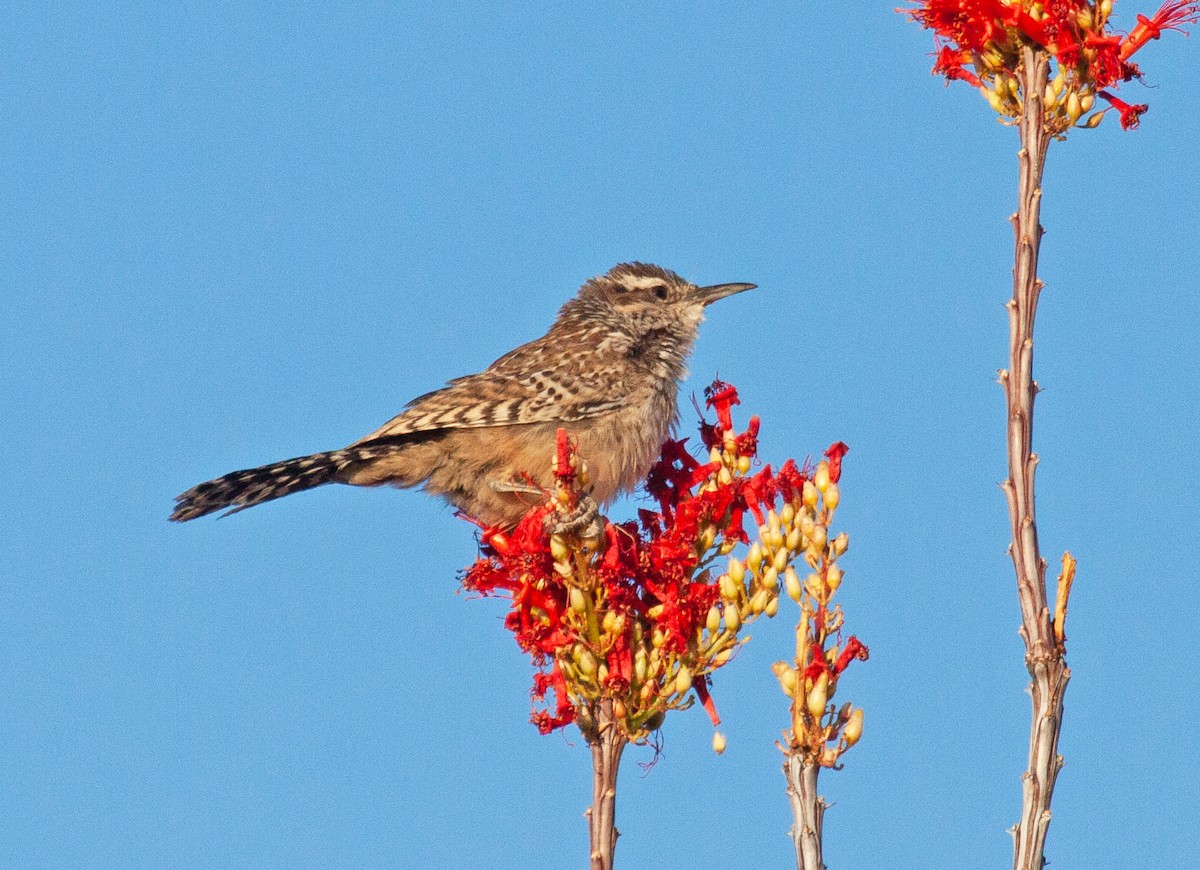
(660, 291)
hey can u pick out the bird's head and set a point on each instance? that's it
(653, 306)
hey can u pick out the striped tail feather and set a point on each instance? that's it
(239, 490)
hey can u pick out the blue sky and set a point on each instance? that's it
(233, 233)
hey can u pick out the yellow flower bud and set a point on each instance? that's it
(818, 697)
(619, 708)
(813, 586)
(729, 589)
(758, 603)
(809, 496)
(787, 678)
(585, 660)
(787, 514)
(993, 99)
(791, 582)
(772, 607)
(639, 665)
(754, 557)
(1087, 101)
(737, 572)
(723, 657)
(853, 730)
(713, 622)
(770, 578)
(714, 455)
(718, 742)
(781, 560)
(1074, 108)
(820, 536)
(577, 602)
(821, 476)
(683, 680)
(793, 539)
(559, 549)
(743, 465)
(833, 497)
(1105, 8)
(1094, 121)
(840, 544)
(733, 619)
(833, 577)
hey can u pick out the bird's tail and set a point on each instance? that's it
(239, 490)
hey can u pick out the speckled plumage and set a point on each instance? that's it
(608, 371)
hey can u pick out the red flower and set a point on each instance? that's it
(990, 35)
(1172, 16)
(950, 64)
(1131, 115)
(836, 451)
(722, 397)
(855, 649)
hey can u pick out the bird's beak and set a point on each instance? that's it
(709, 295)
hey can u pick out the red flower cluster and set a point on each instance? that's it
(988, 36)
(636, 616)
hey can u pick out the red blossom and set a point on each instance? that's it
(836, 451)
(700, 687)
(990, 34)
(855, 649)
(950, 64)
(1131, 115)
(564, 713)
(1172, 16)
(721, 397)
(817, 665)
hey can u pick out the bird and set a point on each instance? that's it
(608, 371)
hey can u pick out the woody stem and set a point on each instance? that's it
(607, 744)
(808, 808)
(1044, 656)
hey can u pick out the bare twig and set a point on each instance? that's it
(1044, 652)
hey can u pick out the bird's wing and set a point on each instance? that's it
(527, 385)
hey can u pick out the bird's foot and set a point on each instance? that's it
(515, 486)
(583, 520)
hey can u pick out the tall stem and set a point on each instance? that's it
(1044, 655)
(808, 810)
(607, 744)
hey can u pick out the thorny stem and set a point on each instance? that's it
(808, 810)
(607, 744)
(1044, 656)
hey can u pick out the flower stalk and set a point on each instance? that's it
(1040, 66)
(821, 731)
(607, 743)
(1045, 655)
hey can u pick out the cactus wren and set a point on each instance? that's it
(608, 371)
